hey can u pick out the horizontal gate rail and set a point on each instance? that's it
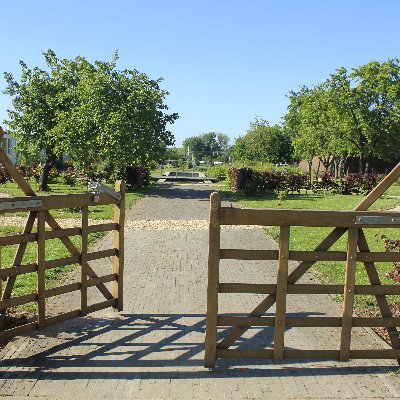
(354, 222)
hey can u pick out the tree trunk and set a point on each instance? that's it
(44, 173)
(310, 173)
(361, 164)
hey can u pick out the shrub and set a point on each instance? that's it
(69, 176)
(244, 180)
(137, 177)
(4, 175)
(221, 172)
(296, 181)
(368, 182)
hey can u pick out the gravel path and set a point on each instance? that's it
(154, 349)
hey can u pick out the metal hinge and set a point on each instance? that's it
(97, 187)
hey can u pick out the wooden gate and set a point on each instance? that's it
(39, 208)
(352, 222)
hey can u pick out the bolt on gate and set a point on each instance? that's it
(353, 222)
(39, 210)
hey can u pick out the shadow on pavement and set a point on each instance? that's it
(152, 346)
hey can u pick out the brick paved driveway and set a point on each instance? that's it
(154, 349)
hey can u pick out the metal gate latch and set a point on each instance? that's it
(97, 187)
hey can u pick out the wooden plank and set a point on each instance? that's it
(375, 354)
(57, 201)
(378, 289)
(65, 232)
(296, 354)
(213, 281)
(15, 271)
(62, 317)
(291, 288)
(102, 227)
(381, 188)
(308, 321)
(18, 239)
(119, 258)
(244, 353)
(259, 288)
(288, 217)
(61, 262)
(246, 321)
(101, 279)
(100, 306)
(241, 254)
(380, 299)
(376, 321)
(59, 290)
(95, 255)
(84, 260)
(19, 330)
(19, 255)
(317, 255)
(17, 301)
(41, 261)
(349, 294)
(281, 293)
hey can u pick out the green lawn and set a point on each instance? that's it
(303, 238)
(54, 248)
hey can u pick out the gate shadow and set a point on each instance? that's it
(152, 346)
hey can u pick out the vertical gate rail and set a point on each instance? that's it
(88, 278)
(354, 222)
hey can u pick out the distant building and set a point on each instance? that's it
(8, 144)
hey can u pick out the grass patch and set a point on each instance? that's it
(304, 238)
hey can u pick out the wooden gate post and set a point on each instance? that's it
(118, 264)
(213, 281)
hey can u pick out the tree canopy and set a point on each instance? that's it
(353, 113)
(206, 144)
(265, 143)
(94, 112)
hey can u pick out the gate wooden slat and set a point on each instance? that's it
(213, 281)
(349, 294)
(84, 258)
(118, 263)
(281, 293)
(41, 267)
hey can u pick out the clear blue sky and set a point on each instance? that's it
(223, 62)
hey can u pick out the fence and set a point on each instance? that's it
(39, 209)
(353, 222)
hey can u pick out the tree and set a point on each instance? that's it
(367, 99)
(207, 144)
(353, 114)
(94, 112)
(265, 143)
